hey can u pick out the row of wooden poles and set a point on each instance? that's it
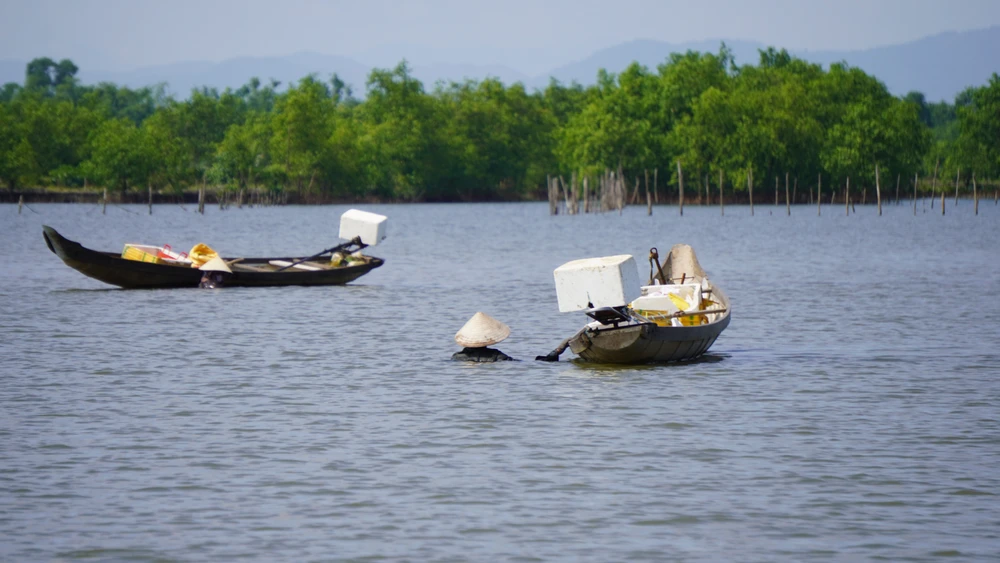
(224, 198)
(612, 192)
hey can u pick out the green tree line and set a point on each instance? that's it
(483, 140)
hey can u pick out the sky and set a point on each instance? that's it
(529, 35)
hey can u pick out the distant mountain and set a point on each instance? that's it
(940, 66)
(646, 52)
(181, 78)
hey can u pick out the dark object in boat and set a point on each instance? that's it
(111, 268)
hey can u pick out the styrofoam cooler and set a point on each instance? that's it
(371, 227)
(610, 281)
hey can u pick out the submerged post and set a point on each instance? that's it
(975, 194)
(819, 194)
(201, 198)
(20, 203)
(958, 177)
(722, 201)
(916, 179)
(788, 205)
(656, 193)
(937, 163)
(104, 202)
(680, 181)
(878, 192)
(750, 187)
(150, 186)
(847, 196)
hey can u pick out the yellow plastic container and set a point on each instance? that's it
(141, 254)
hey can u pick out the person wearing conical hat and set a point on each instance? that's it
(480, 332)
(216, 272)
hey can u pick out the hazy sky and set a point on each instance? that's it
(527, 34)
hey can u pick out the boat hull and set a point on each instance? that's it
(111, 268)
(648, 343)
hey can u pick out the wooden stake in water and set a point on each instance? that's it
(934, 184)
(722, 202)
(553, 205)
(201, 198)
(239, 200)
(819, 194)
(878, 192)
(150, 186)
(788, 205)
(656, 193)
(750, 187)
(20, 203)
(975, 194)
(957, 178)
(649, 195)
(104, 203)
(847, 197)
(680, 181)
(916, 180)
(776, 191)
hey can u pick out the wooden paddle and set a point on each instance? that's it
(355, 240)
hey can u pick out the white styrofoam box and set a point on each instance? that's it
(689, 292)
(610, 281)
(659, 302)
(371, 227)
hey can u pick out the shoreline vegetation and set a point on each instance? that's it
(698, 123)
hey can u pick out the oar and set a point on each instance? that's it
(355, 240)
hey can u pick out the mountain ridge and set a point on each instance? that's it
(940, 66)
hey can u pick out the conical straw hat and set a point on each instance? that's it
(481, 330)
(215, 265)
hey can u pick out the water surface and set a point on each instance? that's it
(849, 412)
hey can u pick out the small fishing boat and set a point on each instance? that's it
(156, 267)
(677, 317)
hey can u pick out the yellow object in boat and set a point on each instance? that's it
(201, 253)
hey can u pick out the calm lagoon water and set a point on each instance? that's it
(851, 411)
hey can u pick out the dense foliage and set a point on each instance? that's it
(482, 140)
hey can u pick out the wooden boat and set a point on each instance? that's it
(112, 268)
(623, 335)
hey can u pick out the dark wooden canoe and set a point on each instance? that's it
(648, 343)
(111, 268)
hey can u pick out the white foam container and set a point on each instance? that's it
(371, 227)
(689, 292)
(660, 302)
(609, 281)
